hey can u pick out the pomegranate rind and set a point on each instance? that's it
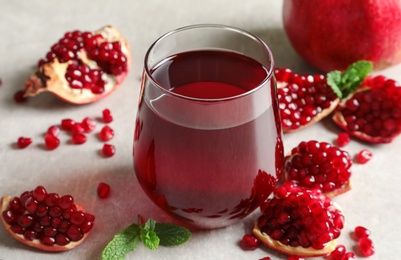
(318, 117)
(50, 76)
(4, 202)
(289, 250)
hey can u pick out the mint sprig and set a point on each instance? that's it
(151, 234)
(345, 83)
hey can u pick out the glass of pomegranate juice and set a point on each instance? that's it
(207, 142)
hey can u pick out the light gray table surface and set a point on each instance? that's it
(29, 27)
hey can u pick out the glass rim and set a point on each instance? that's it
(215, 26)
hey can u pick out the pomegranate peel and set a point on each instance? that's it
(306, 99)
(92, 76)
(40, 229)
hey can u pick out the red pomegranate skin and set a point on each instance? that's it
(332, 34)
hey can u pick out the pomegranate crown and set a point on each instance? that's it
(346, 82)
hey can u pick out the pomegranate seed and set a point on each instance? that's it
(24, 142)
(249, 242)
(65, 202)
(364, 156)
(348, 256)
(343, 139)
(88, 124)
(62, 240)
(107, 117)
(53, 130)
(338, 252)
(67, 124)
(103, 190)
(77, 218)
(51, 141)
(366, 246)
(31, 205)
(106, 134)
(77, 128)
(265, 258)
(108, 150)
(19, 96)
(39, 193)
(361, 232)
(74, 233)
(78, 138)
(292, 257)
(48, 241)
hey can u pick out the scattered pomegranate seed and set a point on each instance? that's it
(338, 252)
(78, 138)
(53, 130)
(108, 150)
(106, 134)
(103, 190)
(88, 124)
(51, 141)
(107, 117)
(361, 232)
(67, 124)
(77, 128)
(366, 246)
(364, 156)
(19, 96)
(265, 258)
(23, 142)
(349, 256)
(343, 139)
(249, 242)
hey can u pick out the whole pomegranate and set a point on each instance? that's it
(332, 34)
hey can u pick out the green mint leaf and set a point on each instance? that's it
(171, 234)
(122, 243)
(348, 81)
(149, 226)
(334, 81)
(150, 239)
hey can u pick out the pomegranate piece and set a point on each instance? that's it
(108, 150)
(306, 99)
(106, 134)
(51, 142)
(364, 156)
(249, 242)
(319, 165)
(24, 142)
(106, 116)
(303, 223)
(103, 190)
(82, 67)
(373, 112)
(43, 226)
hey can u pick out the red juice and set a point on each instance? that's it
(208, 148)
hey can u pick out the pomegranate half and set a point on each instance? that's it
(82, 67)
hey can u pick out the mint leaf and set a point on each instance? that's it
(348, 81)
(122, 243)
(150, 239)
(149, 225)
(171, 234)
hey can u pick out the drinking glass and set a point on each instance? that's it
(207, 141)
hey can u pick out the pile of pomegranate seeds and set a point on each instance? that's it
(301, 98)
(52, 219)
(297, 216)
(319, 165)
